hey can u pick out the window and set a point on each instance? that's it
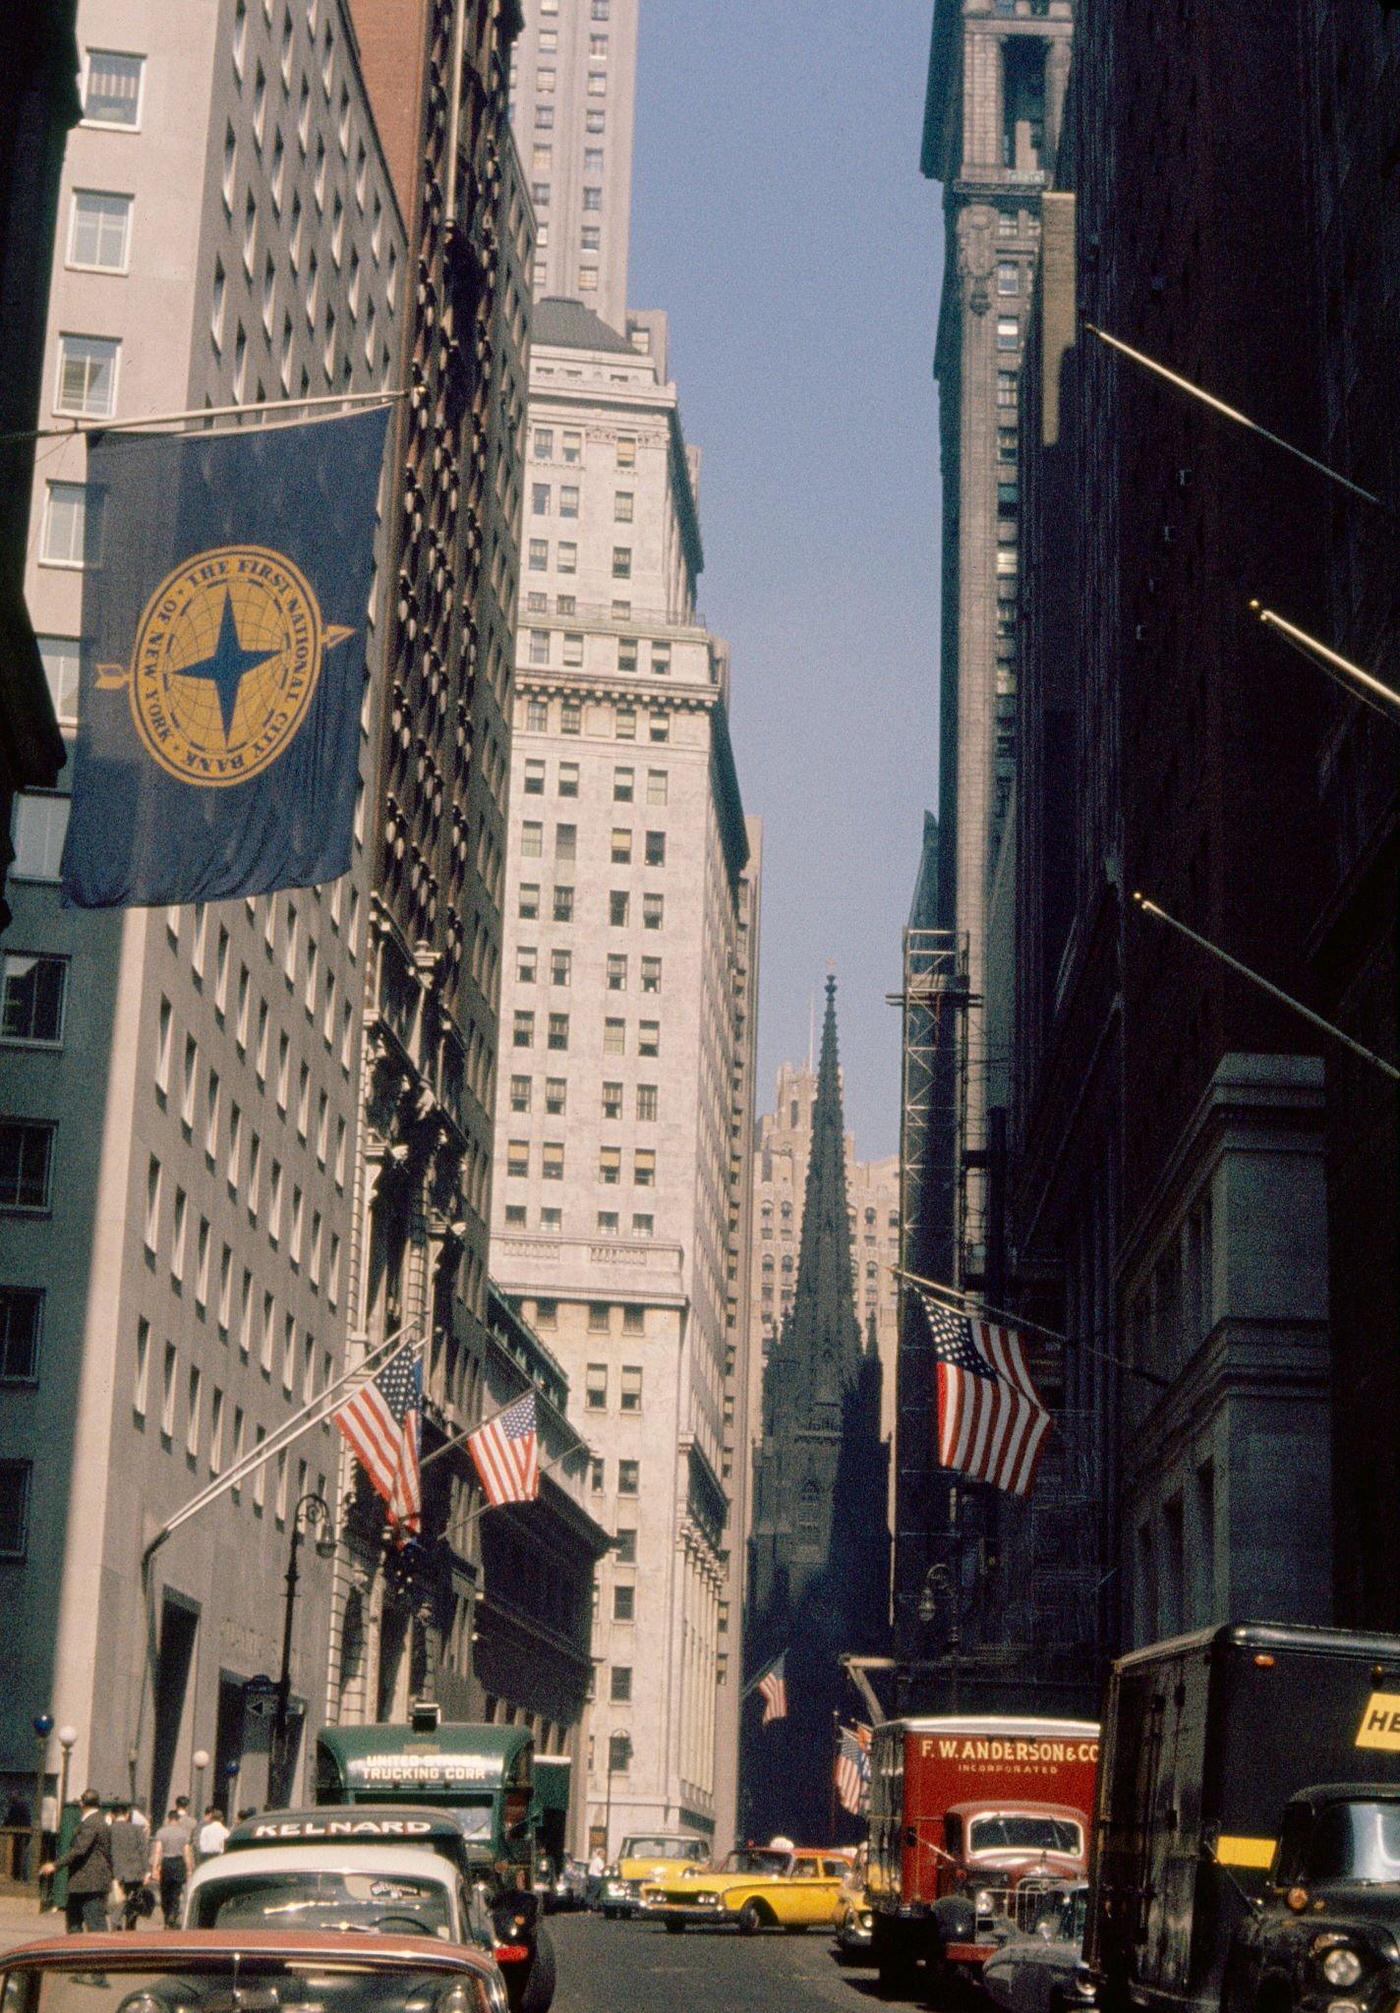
(653, 911)
(32, 997)
(626, 653)
(560, 967)
(608, 1223)
(595, 1387)
(625, 1547)
(1008, 279)
(568, 499)
(66, 524)
(563, 906)
(553, 1160)
(634, 1321)
(26, 1164)
(558, 1031)
(626, 728)
(566, 842)
(531, 839)
(529, 902)
(623, 785)
(14, 1508)
(644, 1167)
(61, 668)
(556, 1096)
(621, 846)
(1008, 332)
(546, 1313)
(518, 1157)
(534, 779)
(647, 1099)
(630, 1393)
(617, 973)
(649, 1037)
(552, 1221)
(568, 775)
(539, 499)
(628, 1477)
(539, 555)
(516, 1216)
(523, 1029)
(617, 908)
(526, 964)
(610, 1165)
(520, 1093)
(624, 1604)
(113, 94)
(99, 231)
(595, 1475)
(651, 975)
(1006, 387)
(656, 849)
(614, 1037)
(21, 1319)
(612, 1099)
(544, 443)
(573, 445)
(622, 562)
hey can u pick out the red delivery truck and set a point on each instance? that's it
(972, 1821)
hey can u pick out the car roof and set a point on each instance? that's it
(135, 1950)
(333, 1857)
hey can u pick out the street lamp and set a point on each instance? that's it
(43, 1727)
(619, 1761)
(67, 1735)
(200, 1758)
(317, 1512)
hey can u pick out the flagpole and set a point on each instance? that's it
(545, 1466)
(133, 424)
(1240, 418)
(966, 1303)
(835, 1758)
(754, 1684)
(458, 1439)
(1275, 992)
(1346, 674)
(310, 1415)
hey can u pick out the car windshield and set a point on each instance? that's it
(235, 1984)
(748, 1859)
(663, 1848)
(1003, 1832)
(1356, 1841)
(307, 1899)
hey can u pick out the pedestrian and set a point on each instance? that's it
(88, 1864)
(130, 1865)
(597, 1867)
(172, 1865)
(212, 1836)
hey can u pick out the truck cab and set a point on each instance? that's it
(1324, 1937)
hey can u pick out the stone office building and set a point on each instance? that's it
(622, 1138)
(180, 1088)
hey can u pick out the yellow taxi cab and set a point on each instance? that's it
(650, 1856)
(776, 1886)
(854, 1920)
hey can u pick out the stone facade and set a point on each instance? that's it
(423, 1177)
(186, 1280)
(622, 1140)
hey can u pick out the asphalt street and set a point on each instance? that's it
(635, 1967)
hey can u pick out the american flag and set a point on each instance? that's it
(853, 1770)
(383, 1423)
(991, 1423)
(772, 1688)
(506, 1451)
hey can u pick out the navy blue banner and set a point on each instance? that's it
(223, 660)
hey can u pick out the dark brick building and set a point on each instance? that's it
(1168, 1198)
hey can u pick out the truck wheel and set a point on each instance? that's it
(752, 1918)
(675, 1925)
(538, 1995)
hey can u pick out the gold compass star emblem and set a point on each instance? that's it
(227, 658)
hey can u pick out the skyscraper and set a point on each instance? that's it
(574, 89)
(176, 1212)
(622, 1134)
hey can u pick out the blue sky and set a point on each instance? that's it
(780, 218)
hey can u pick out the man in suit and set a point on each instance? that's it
(88, 1864)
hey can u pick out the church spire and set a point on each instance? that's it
(823, 1333)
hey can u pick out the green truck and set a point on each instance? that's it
(486, 1777)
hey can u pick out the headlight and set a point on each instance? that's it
(983, 1902)
(1341, 1966)
(867, 1920)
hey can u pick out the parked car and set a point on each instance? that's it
(1040, 1969)
(763, 1887)
(571, 1885)
(854, 1920)
(649, 1856)
(198, 1971)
